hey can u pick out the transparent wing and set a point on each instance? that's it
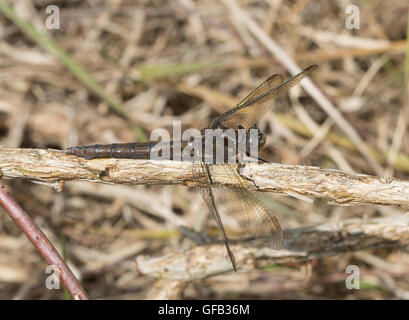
(201, 173)
(253, 217)
(258, 102)
(248, 210)
(228, 118)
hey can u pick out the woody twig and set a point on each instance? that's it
(55, 167)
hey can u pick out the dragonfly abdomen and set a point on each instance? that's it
(133, 150)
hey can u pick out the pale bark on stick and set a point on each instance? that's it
(300, 245)
(336, 186)
(166, 290)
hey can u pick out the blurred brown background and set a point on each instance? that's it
(191, 60)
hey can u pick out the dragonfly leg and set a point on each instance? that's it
(260, 160)
(226, 240)
(201, 238)
(219, 222)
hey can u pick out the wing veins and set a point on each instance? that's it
(259, 224)
(208, 197)
(239, 114)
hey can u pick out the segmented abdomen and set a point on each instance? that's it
(133, 150)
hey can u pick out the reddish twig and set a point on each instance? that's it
(43, 245)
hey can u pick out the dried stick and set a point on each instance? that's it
(43, 245)
(166, 290)
(336, 186)
(300, 245)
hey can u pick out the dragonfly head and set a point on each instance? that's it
(261, 137)
(261, 140)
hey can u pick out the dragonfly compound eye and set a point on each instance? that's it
(261, 140)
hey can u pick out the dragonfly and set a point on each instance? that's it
(238, 201)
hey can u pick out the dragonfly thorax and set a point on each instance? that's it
(230, 145)
(261, 138)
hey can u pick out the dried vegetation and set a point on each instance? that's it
(187, 60)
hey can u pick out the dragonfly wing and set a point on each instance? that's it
(249, 211)
(208, 197)
(230, 119)
(253, 217)
(201, 172)
(258, 102)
